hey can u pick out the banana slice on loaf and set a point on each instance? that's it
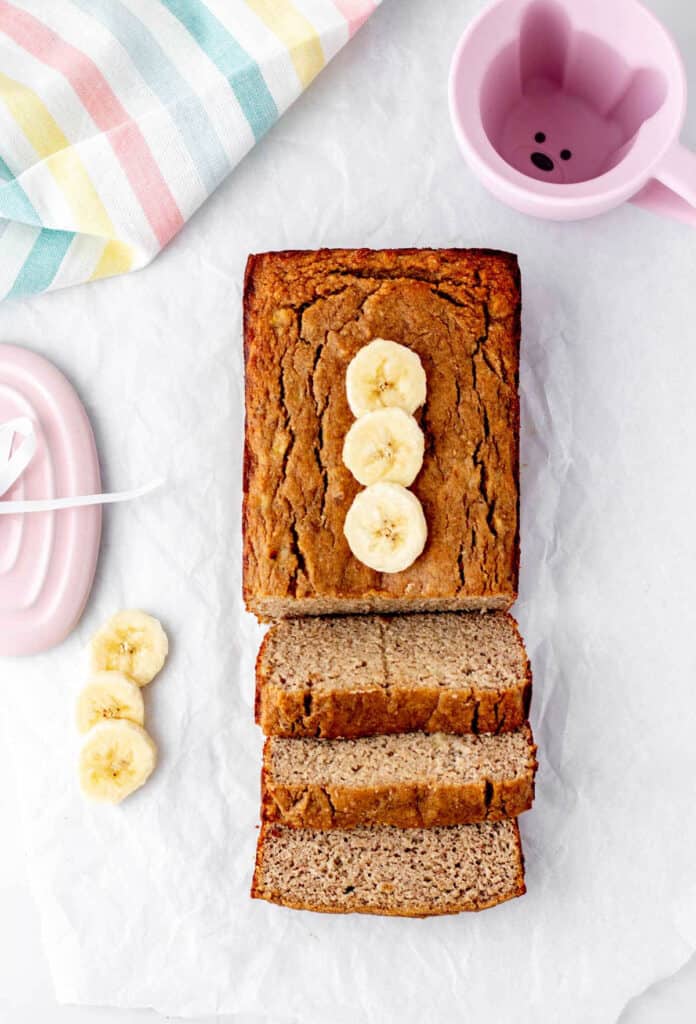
(385, 374)
(385, 527)
(386, 444)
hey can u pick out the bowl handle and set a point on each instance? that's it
(672, 192)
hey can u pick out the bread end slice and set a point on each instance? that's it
(390, 871)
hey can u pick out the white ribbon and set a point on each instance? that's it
(13, 464)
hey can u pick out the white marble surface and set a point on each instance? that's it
(366, 157)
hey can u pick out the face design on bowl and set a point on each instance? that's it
(557, 137)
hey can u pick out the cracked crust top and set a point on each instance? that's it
(306, 314)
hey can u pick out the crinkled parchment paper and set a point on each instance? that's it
(147, 904)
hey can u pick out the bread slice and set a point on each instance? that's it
(393, 871)
(416, 780)
(360, 675)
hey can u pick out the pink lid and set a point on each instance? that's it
(47, 559)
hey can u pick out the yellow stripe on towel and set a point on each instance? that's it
(116, 258)
(62, 160)
(295, 32)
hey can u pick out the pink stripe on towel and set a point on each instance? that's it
(356, 12)
(98, 98)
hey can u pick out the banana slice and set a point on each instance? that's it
(109, 695)
(130, 642)
(116, 759)
(385, 374)
(386, 444)
(385, 527)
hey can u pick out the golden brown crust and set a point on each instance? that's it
(388, 909)
(340, 714)
(305, 316)
(405, 805)
(421, 912)
(350, 714)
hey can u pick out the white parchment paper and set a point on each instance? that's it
(147, 904)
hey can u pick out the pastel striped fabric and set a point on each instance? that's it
(118, 118)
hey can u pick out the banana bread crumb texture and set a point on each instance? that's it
(393, 871)
(414, 780)
(349, 676)
(306, 314)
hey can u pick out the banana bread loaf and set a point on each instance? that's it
(351, 676)
(306, 314)
(393, 871)
(414, 780)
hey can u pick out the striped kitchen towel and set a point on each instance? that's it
(118, 118)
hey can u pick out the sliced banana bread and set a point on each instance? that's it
(393, 871)
(359, 675)
(416, 780)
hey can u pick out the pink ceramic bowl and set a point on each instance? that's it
(566, 108)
